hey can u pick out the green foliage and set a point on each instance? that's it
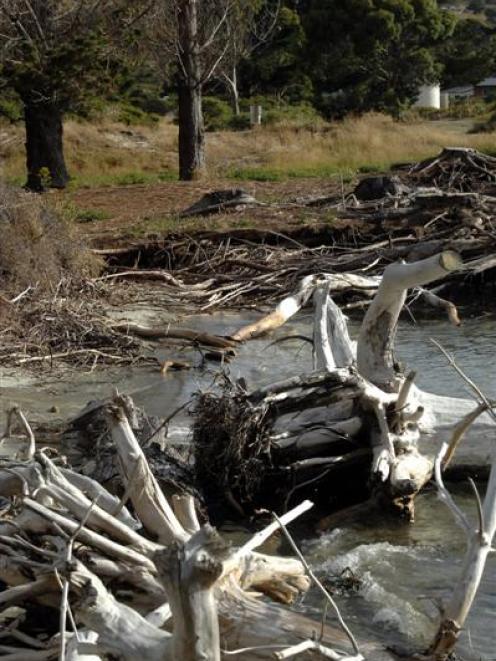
(217, 114)
(277, 67)
(469, 55)
(134, 116)
(11, 108)
(303, 115)
(373, 54)
(90, 215)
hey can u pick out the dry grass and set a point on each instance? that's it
(39, 247)
(107, 153)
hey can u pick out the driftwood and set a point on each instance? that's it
(218, 201)
(355, 410)
(117, 586)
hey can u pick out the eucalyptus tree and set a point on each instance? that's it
(56, 55)
(250, 25)
(374, 54)
(198, 37)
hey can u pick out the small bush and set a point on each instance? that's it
(11, 109)
(240, 122)
(90, 215)
(132, 115)
(217, 114)
(39, 247)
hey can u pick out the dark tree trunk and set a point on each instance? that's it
(44, 147)
(191, 129)
(191, 133)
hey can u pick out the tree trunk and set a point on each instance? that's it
(44, 147)
(191, 130)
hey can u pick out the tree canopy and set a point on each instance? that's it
(374, 54)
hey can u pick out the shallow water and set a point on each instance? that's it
(405, 572)
(402, 569)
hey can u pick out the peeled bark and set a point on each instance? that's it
(44, 147)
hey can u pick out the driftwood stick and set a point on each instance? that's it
(98, 541)
(459, 432)
(441, 303)
(15, 412)
(315, 646)
(64, 603)
(480, 540)
(319, 585)
(466, 378)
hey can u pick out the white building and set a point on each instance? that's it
(429, 97)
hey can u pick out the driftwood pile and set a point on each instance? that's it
(443, 203)
(135, 575)
(355, 414)
(125, 570)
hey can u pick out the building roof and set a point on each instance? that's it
(460, 89)
(487, 82)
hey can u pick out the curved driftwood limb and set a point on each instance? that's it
(376, 339)
(286, 309)
(15, 413)
(480, 538)
(443, 304)
(121, 630)
(459, 432)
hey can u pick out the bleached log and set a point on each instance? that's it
(98, 541)
(290, 305)
(148, 500)
(376, 338)
(184, 508)
(286, 309)
(106, 500)
(322, 351)
(57, 487)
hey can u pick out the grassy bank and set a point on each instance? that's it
(109, 153)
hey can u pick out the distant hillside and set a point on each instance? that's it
(483, 8)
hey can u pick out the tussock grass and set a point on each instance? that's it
(39, 246)
(108, 153)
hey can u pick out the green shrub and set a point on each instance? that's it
(240, 122)
(217, 114)
(132, 115)
(11, 109)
